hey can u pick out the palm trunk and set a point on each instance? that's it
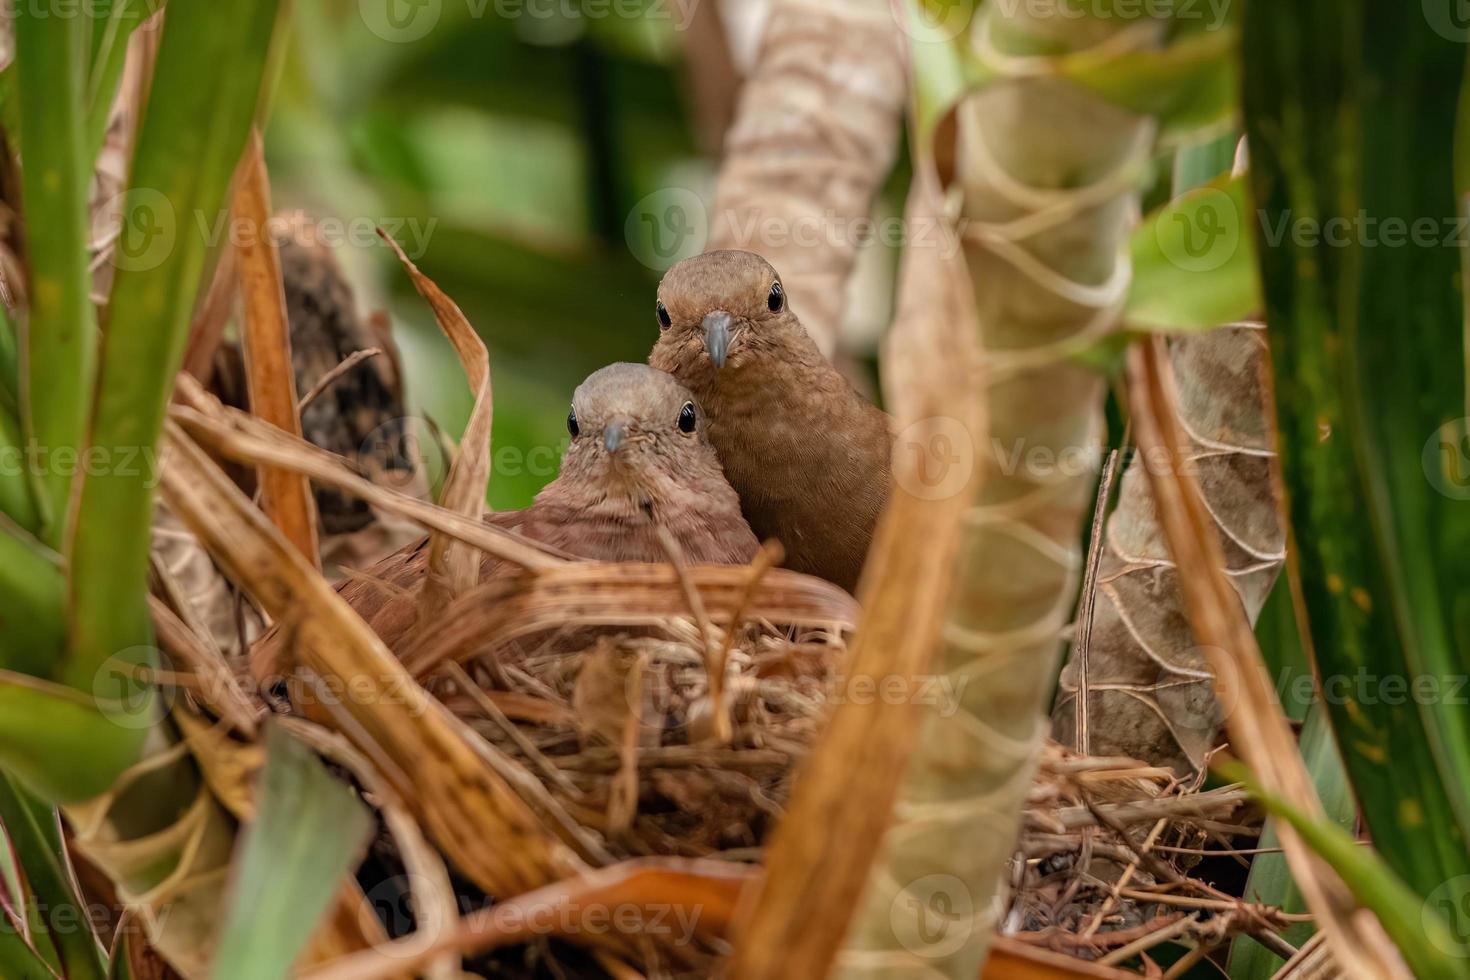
(1046, 172)
(814, 137)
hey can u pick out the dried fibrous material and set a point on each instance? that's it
(1103, 868)
(1151, 692)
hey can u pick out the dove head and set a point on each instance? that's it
(635, 429)
(720, 312)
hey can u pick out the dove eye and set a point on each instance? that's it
(664, 321)
(687, 418)
(777, 300)
(572, 425)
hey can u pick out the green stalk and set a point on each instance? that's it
(206, 88)
(61, 336)
(1350, 128)
(16, 501)
(32, 594)
(9, 361)
(1421, 934)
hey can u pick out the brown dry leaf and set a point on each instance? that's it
(700, 897)
(453, 567)
(215, 608)
(207, 329)
(1151, 694)
(1012, 960)
(467, 809)
(1259, 733)
(672, 896)
(284, 496)
(820, 858)
(229, 767)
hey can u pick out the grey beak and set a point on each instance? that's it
(716, 326)
(612, 435)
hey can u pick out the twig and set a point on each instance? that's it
(713, 661)
(1147, 942)
(327, 380)
(482, 701)
(1089, 602)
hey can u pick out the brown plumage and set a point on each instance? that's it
(806, 452)
(639, 459)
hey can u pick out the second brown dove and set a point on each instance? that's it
(639, 460)
(808, 454)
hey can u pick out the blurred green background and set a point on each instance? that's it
(504, 148)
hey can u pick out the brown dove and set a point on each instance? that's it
(808, 454)
(639, 459)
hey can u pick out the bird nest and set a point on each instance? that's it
(622, 733)
(1115, 857)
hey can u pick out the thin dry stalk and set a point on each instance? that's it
(331, 377)
(238, 436)
(712, 664)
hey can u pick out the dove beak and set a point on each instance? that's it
(716, 326)
(613, 435)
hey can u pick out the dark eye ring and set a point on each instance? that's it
(687, 418)
(572, 425)
(664, 321)
(777, 300)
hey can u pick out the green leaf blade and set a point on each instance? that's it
(61, 331)
(309, 830)
(206, 88)
(1347, 123)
